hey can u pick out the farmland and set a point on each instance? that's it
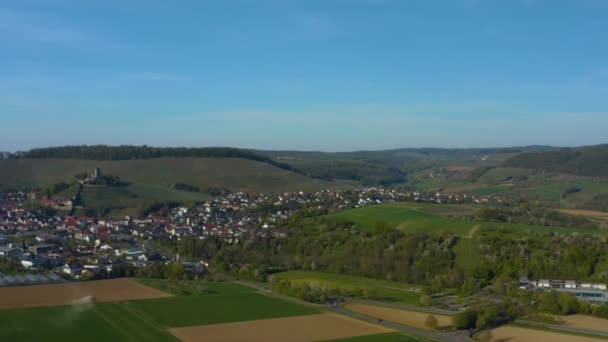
(385, 290)
(223, 312)
(429, 218)
(517, 334)
(327, 326)
(390, 337)
(69, 293)
(410, 318)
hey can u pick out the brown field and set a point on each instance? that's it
(113, 290)
(514, 334)
(410, 318)
(592, 214)
(585, 322)
(328, 326)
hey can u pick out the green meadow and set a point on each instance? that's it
(429, 218)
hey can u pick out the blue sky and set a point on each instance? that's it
(311, 75)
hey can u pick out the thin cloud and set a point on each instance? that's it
(33, 27)
(154, 76)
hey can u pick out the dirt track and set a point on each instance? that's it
(598, 215)
(113, 290)
(515, 334)
(410, 318)
(585, 322)
(321, 327)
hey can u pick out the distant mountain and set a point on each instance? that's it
(582, 161)
(390, 166)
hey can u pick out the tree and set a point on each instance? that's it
(431, 322)
(465, 319)
(425, 300)
(175, 271)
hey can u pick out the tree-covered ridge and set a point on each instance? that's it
(583, 161)
(126, 152)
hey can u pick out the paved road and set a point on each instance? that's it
(456, 336)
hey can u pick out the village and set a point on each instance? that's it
(42, 249)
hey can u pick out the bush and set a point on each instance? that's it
(431, 322)
(425, 300)
(465, 319)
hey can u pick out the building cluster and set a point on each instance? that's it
(592, 292)
(87, 246)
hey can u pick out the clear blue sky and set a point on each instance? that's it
(323, 75)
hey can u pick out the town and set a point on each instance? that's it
(41, 248)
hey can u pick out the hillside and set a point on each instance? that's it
(236, 174)
(390, 166)
(583, 161)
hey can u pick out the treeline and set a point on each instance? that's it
(533, 216)
(338, 247)
(362, 171)
(584, 161)
(126, 152)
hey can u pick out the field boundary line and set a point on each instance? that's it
(113, 324)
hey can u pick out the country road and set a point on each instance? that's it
(456, 336)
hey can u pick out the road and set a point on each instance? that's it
(456, 336)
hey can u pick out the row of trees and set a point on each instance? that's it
(126, 152)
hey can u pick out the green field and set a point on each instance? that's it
(143, 320)
(230, 303)
(99, 322)
(134, 195)
(386, 290)
(390, 337)
(428, 218)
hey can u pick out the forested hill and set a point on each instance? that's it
(583, 161)
(127, 152)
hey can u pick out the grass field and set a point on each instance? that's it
(387, 290)
(94, 323)
(231, 303)
(416, 218)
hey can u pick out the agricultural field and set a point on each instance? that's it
(409, 318)
(229, 303)
(389, 337)
(327, 326)
(429, 218)
(517, 334)
(218, 312)
(74, 293)
(385, 290)
(585, 322)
